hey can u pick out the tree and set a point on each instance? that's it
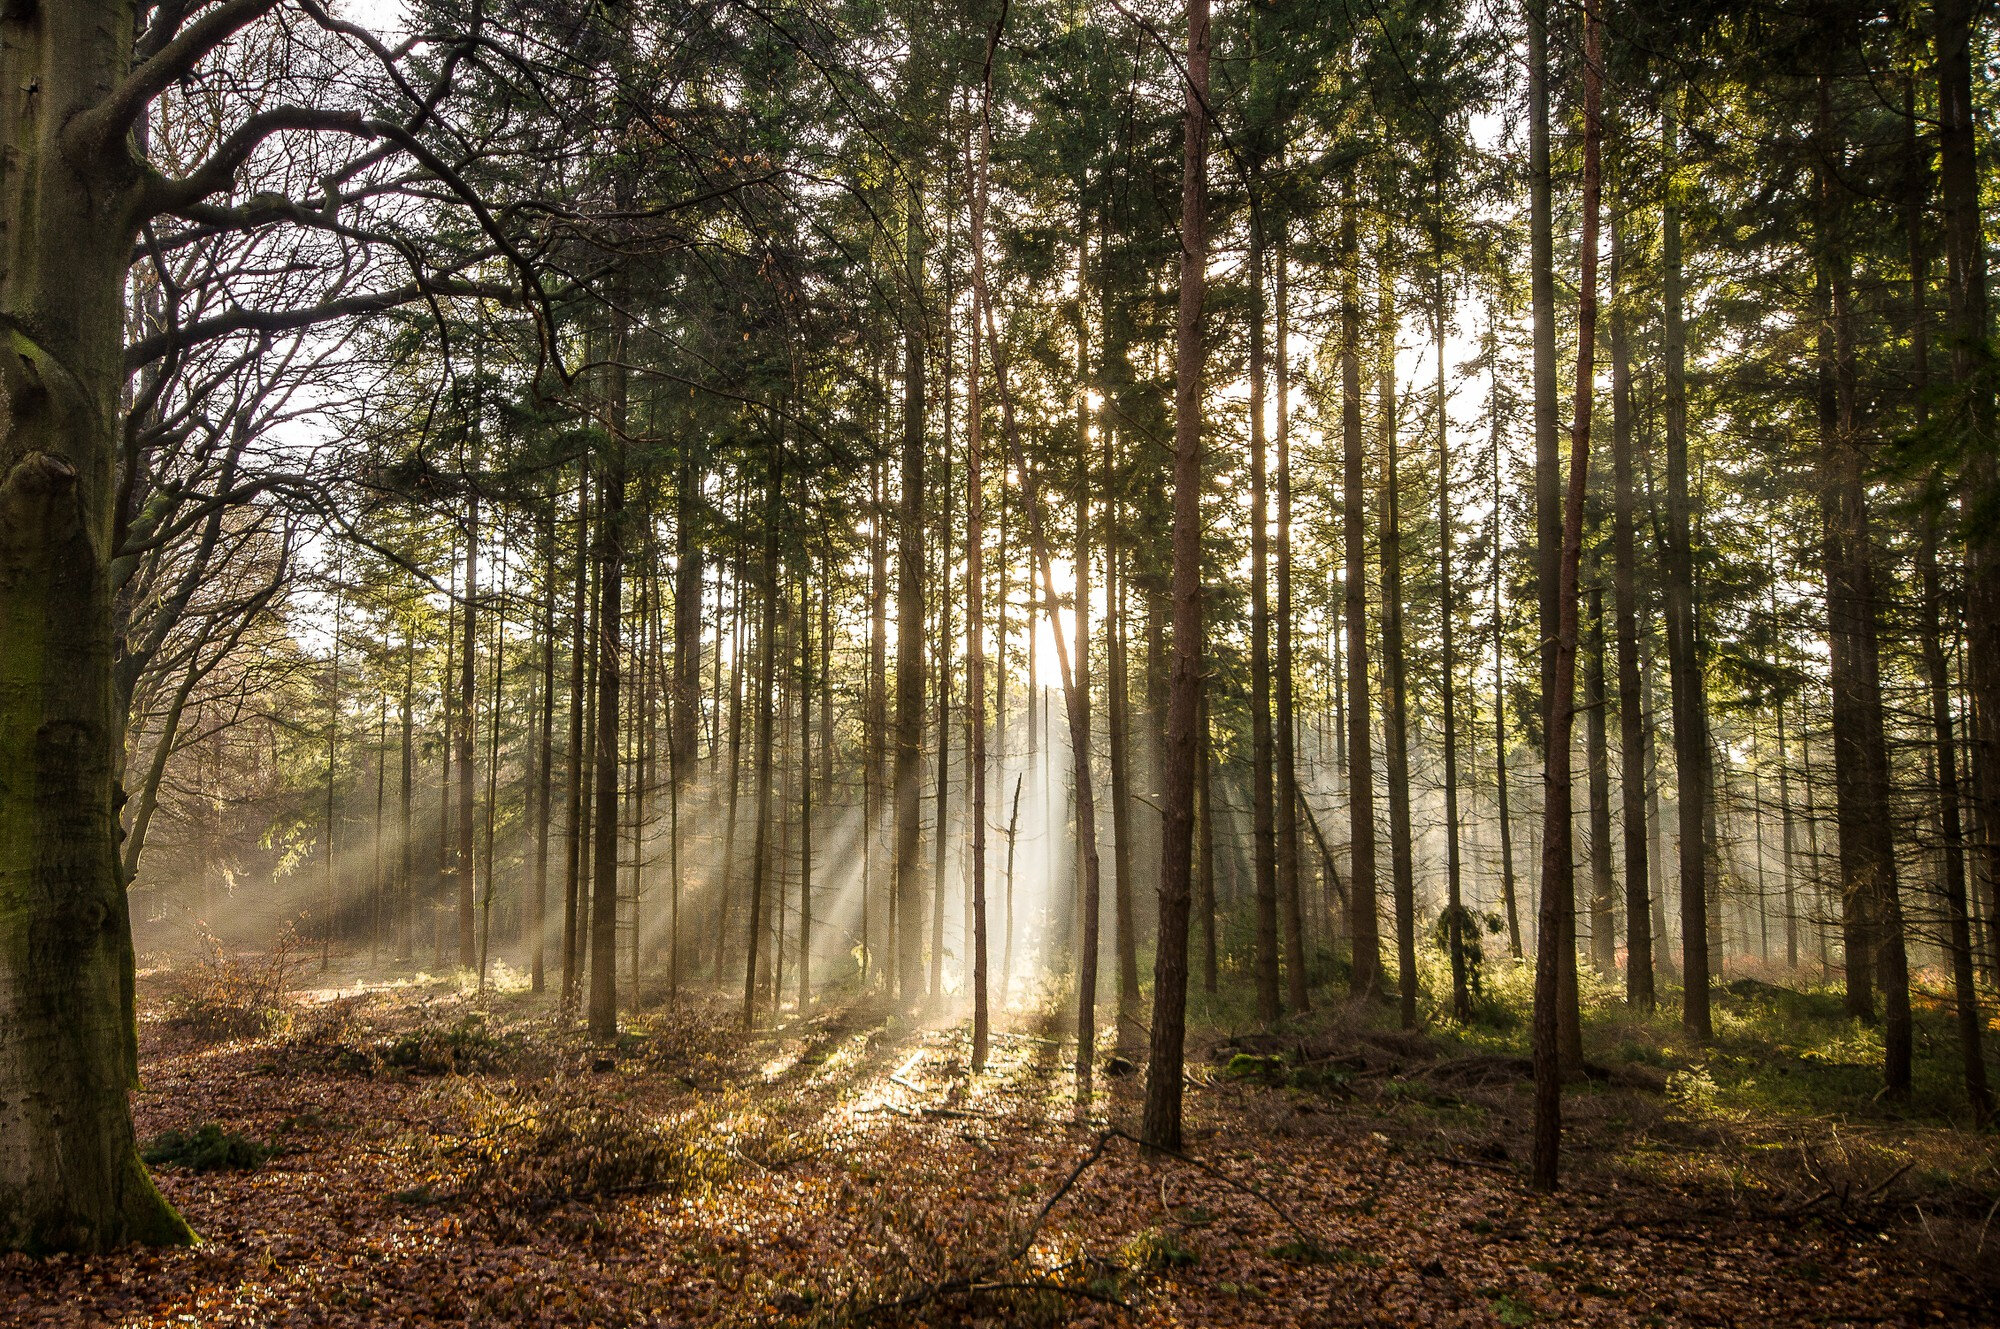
(1161, 1126)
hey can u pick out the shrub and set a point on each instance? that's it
(225, 995)
(207, 1148)
(454, 1049)
(1155, 1249)
(1693, 1091)
(532, 1148)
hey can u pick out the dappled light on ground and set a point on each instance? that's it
(434, 1162)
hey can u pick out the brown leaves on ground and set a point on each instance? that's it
(441, 1166)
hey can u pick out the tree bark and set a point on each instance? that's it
(610, 561)
(1263, 824)
(1871, 906)
(1969, 333)
(908, 775)
(1684, 671)
(1161, 1124)
(70, 1175)
(1286, 728)
(1363, 929)
(1639, 992)
(1553, 951)
(1395, 678)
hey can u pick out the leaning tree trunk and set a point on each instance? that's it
(70, 1175)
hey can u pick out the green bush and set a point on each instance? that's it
(207, 1148)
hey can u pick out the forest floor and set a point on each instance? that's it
(409, 1155)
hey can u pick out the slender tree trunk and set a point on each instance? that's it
(1395, 680)
(492, 768)
(1297, 993)
(575, 826)
(1204, 868)
(975, 605)
(910, 717)
(805, 794)
(468, 717)
(1553, 952)
(771, 593)
(1118, 725)
(544, 782)
(1509, 896)
(405, 902)
(1161, 1125)
(1542, 301)
(1455, 915)
(1625, 617)
(328, 906)
(1597, 747)
(610, 573)
(1264, 849)
(1363, 929)
(1684, 671)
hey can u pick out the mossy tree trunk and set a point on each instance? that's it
(71, 202)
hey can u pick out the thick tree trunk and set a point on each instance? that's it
(1969, 333)
(1871, 905)
(1161, 1125)
(70, 1175)
(1937, 674)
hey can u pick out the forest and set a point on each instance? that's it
(544, 542)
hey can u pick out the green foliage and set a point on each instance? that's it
(460, 1048)
(1250, 1066)
(207, 1148)
(1156, 1249)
